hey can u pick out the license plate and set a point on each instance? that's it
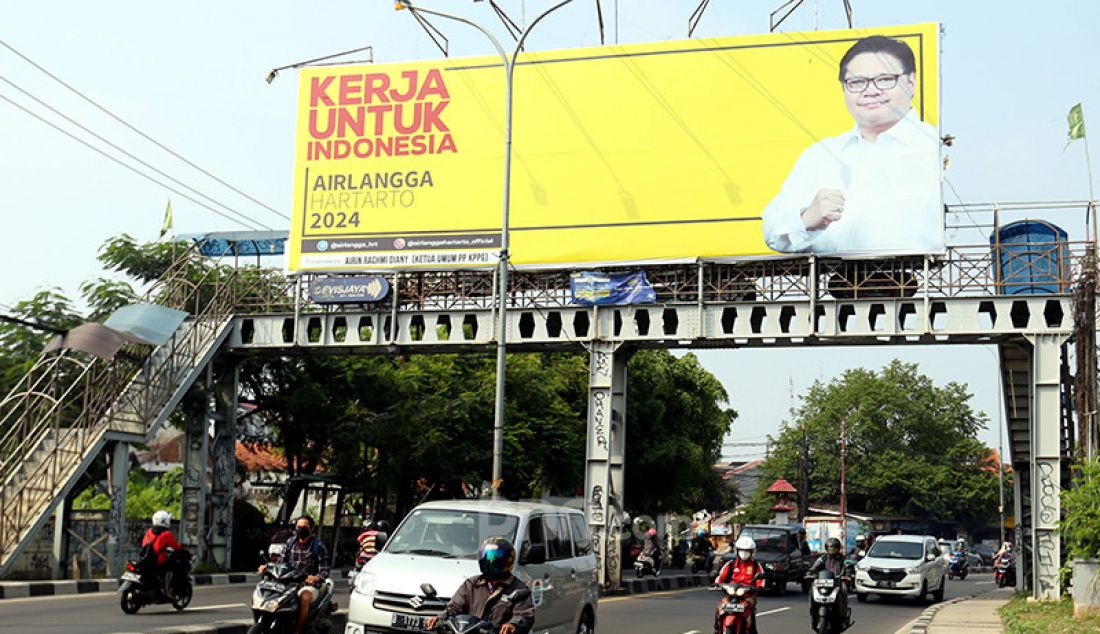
(129, 576)
(272, 585)
(887, 584)
(409, 623)
(824, 583)
(733, 607)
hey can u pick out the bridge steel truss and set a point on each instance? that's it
(959, 298)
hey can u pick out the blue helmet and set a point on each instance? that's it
(496, 558)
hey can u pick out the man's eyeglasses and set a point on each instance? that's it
(882, 82)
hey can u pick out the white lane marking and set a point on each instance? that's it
(783, 609)
(692, 632)
(214, 607)
(983, 583)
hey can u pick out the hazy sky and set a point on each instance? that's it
(191, 76)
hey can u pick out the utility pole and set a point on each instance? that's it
(804, 475)
(843, 492)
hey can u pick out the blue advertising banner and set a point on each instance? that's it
(348, 290)
(592, 288)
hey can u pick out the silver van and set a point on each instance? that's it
(437, 543)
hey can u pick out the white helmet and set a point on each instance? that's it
(745, 547)
(860, 538)
(162, 518)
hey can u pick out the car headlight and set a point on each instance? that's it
(270, 605)
(863, 567)
(769, 566)
(364, 582)
(912, 571)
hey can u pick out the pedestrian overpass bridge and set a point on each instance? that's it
(71, 406)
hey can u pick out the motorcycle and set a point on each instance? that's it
(826, 599)
(1004, 570)
(647, 565)
(466, 623)
(139, 588)
(699, 561)
(275, 601)
(957, 565)
(736, 611)
(850, 574)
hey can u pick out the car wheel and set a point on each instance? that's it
(937, 595)
(861, 597)
(585, 626)
(923, 591)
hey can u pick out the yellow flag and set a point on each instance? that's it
(167, 226)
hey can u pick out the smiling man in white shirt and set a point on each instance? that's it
(875, 188)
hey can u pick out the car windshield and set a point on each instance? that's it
(448, 533)
(886, 549)
(767, 540)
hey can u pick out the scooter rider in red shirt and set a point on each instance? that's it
(162, 543)
(744, 570)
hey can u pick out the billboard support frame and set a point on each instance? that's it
(502, 289)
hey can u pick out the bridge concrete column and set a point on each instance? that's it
(196, 449)
(224, 460)
(118, 477)
(1046, 464)
(606, 446)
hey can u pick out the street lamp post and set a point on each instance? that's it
(502, 287)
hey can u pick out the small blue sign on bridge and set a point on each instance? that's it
(361, 289)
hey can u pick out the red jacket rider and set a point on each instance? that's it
(160, 537)
(743, 569)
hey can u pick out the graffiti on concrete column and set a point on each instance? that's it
(1047, 575)
(597, 548)
(602, 361)
(596, 507)
(614, 531)
(1048, 494)
(599, 418)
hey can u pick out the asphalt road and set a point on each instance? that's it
(673, 612)
(692, 611)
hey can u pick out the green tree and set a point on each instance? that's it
(676, 420)
(912, 446)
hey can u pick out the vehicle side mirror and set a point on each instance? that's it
(536, 554)
(930, 557)
(428, 590)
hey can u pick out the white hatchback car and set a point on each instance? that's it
(902, 565)
(437, 543)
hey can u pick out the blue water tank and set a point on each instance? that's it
(1032, 258)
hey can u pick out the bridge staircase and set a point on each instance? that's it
(62, 413)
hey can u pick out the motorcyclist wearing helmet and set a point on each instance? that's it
(833, 561)
(743, 569)
(157, 545)
(487, 596)
(1006, 549)
(374, 536)
(700, 544)
(859, 551)
(652, 548)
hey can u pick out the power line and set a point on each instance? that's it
(129, 155)
(140, 133)
(129, 167)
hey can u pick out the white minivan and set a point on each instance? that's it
(902, 565)
(437, 543)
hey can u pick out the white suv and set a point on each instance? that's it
(902, 565)
(438, 542)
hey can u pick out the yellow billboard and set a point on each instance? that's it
(818, 142)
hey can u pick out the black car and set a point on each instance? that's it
(777, 550)
(985, 551)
